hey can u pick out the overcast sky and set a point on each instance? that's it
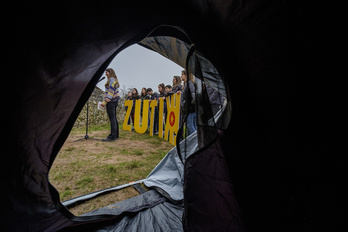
(139, 67)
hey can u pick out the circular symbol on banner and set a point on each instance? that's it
(172, 119)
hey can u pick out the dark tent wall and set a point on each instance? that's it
(283, 61)
(288, 129)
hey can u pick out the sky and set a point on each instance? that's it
(138, 67)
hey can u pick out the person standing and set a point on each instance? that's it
(151, 96)
(112, 97)
(143, 93)
(177, 86)
(189, 88)
(167, 93)
(135, 96)
(129, 97)
(142, 97)
(161, 90)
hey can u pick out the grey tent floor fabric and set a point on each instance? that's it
(152, 212)
(168, 175)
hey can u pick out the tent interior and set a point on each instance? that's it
(168, 176)
(276, 162)
(162, 205)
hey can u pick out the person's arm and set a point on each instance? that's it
(105, 95)
(193, 92)
(111, 90)
(117, 92)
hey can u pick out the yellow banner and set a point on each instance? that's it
(141, 122)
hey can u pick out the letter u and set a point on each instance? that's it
(141, 129)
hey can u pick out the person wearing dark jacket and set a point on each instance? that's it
(129, 97)
(177, 86)
(189, 88)
(142, 97)
(135, 96)
(150, 96)
(162, 94)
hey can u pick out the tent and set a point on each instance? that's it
(277, 163)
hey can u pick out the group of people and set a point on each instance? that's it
(180, 85)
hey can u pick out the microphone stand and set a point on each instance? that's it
(86, 136)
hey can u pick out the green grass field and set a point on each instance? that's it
(90, 165)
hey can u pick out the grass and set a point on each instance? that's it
(90, 165)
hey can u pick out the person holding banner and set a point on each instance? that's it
(142, 97)
(162, 94)
(167, 92)
(143, 93)
(129, 97)
(151, 96)
(112, 97)
(135, 96)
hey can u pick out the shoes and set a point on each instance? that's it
(108, 140)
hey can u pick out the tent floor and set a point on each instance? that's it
(149, 211)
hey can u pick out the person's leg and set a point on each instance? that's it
(194, 120)
(149, 120)
(132, 117)
(117, 130)
(116, 121)
(189, 124)
(155, 128)
(129, 121)
(111, 111)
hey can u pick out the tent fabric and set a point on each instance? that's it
(89, 196)
(214, 185)
(282, 62)
(169, 47)
(147, 212)
(177, 50)
(206, 76)
(168, 175)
